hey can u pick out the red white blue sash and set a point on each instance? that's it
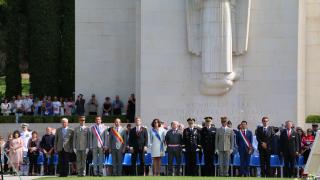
(245, 139)
(98, 136)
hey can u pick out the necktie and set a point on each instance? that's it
(117, 129)
(288, 134)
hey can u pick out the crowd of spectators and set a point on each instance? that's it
(59, 106)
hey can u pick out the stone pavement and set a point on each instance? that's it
(9, 177)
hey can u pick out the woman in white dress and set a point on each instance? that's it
(157, 136)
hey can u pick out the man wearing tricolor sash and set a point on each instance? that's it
(98, 144)
(117, 146)
(244, 142)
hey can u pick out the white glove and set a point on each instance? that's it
(184, 150)
(145, 149)
(231, 150)
(87, 150)
(217, 152)
(74, 150)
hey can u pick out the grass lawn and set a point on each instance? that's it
(158, 178)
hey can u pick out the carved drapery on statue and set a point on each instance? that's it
(217, 30)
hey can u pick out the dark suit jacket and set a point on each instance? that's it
(289, 145)
(242, 146)
(191, 139)
(264, 137)
(208, 137)
(138, 140)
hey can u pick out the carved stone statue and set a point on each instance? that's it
(217, 30)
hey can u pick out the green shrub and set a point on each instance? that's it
(56, 119)
(313, 119)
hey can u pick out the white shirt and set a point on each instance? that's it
(56, 107)
(27, 103)
(5, 108)
(25, 136)
(18, 103)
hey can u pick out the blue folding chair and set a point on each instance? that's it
(254, 162)
(164, 162)
(199, 163)
(299, 163)
(127, 159)
(148, 159)
(235, 162)
(275, 162)
(40, 162)
(108, 161)
(55, 162)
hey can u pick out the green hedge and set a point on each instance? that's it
(56, 119)
(313, 119)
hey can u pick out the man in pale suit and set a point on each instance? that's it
(98, 144)
(81, 145)
(63, 145)
(224, 141)
(117, 146)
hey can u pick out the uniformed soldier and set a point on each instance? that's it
(224, 141)
(191, 142)
(174, 143)
(81, 145)
(208, 134)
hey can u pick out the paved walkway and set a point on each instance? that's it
(9, 177)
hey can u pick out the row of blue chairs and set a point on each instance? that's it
(51, 161)
(275, 161)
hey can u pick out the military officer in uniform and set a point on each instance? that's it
(208, 134)
(191, 142)
(174, 142)
(81, 145)
(224, 141)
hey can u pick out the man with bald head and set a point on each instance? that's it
(117, 146)
(174, 143)
(63, 145)
(46, 144)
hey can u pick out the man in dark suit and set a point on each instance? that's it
(138, 143)
(174, 142)
(264, 136)
(208, 135)
(191, 143)
(289, 148)
(63, 144)
(244, 143)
